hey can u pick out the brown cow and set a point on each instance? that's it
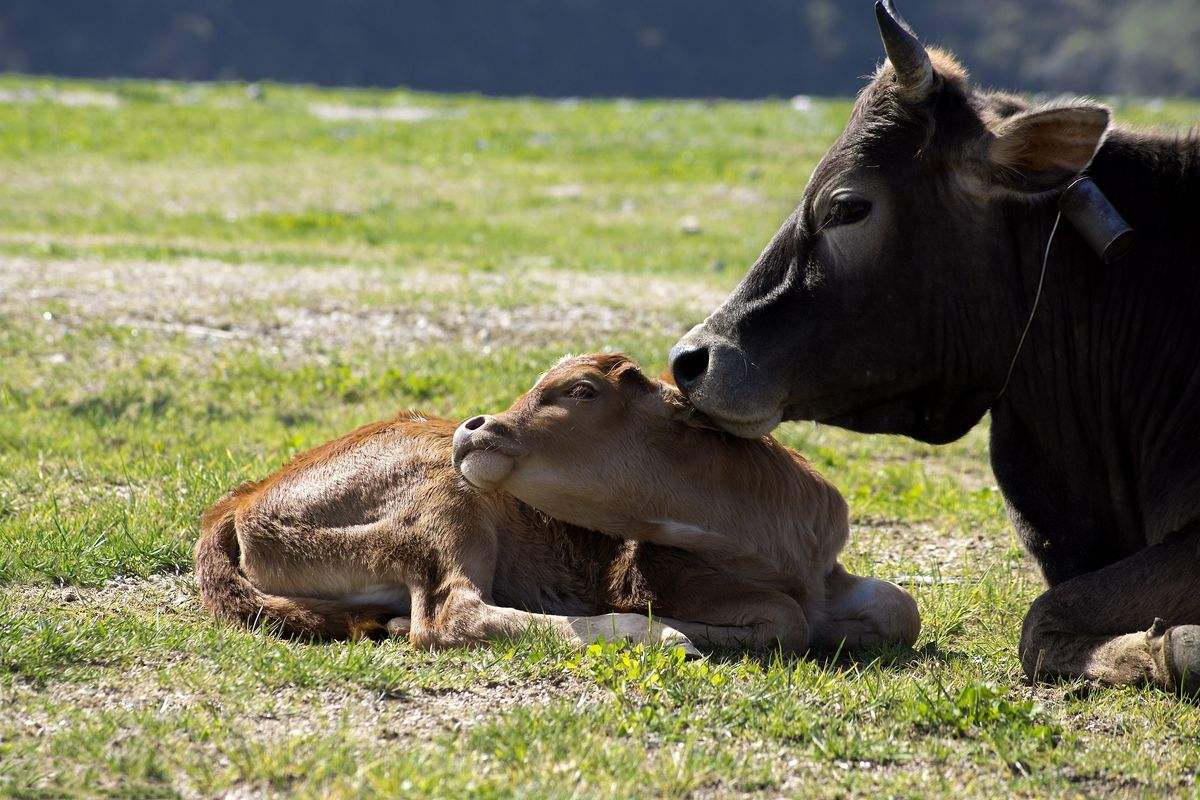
(596, 499)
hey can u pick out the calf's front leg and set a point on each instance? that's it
(451, 602)
(461, 615)
(472, 621)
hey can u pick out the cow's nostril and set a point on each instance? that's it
(475, 423)
(688, 365)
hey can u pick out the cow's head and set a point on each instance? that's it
(892, 299)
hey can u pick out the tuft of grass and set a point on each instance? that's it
(1016, 729)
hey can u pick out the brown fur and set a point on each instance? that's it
(612, 508)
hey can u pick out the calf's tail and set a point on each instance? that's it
(230, 596)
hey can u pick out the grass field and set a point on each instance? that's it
(198, 281)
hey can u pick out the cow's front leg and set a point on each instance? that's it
(866, 612)
(1133, 622)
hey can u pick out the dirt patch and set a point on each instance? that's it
(416, 713)
(342, 113)
(293, 310)
(918, 553)
(63, 97)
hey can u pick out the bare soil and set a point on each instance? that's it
(319, 309)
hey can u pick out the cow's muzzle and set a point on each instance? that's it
(721, 381)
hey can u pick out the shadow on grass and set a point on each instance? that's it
(1082, 689)
(893, 659)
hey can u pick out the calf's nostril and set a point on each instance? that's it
(475, 423)
(688, 365)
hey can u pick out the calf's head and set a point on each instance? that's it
(892, 298)
(596, 443)
(593, 436)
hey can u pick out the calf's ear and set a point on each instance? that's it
(630, 375)
(1043, 149)
(678, 409)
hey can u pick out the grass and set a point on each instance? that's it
(197, 281)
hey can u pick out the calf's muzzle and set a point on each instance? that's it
(482, 452)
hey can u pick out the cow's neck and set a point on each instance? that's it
(1094, 442)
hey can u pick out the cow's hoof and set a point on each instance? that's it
(1181, 648)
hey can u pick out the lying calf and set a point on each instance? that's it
(591, 502)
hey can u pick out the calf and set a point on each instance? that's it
(597, 499)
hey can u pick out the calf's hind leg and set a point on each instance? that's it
(1133, 622)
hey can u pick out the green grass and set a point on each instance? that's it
(195, 284)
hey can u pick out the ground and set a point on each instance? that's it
(198, 281)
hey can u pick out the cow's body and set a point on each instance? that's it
(896, 298)
(1095, 442)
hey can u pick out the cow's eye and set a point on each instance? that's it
(582, 391)
(845, 210)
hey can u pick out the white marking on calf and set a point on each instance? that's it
(687, 536)
(634, 628)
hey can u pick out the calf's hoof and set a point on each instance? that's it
(669, 637)
(1181, 651)
(673, 638)
(399, 627)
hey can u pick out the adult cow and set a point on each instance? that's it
(895, 299)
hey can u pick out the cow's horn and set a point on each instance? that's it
(914, 70)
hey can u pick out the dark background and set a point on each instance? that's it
(636, 48)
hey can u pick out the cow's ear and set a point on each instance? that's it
(1042, 149)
